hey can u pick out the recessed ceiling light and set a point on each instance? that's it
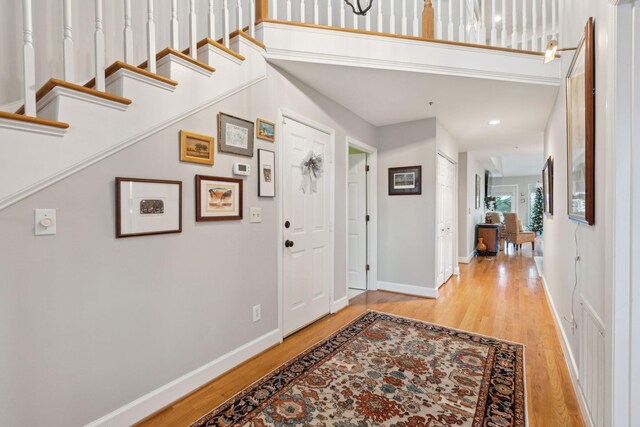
(498, 18)
(494, 122)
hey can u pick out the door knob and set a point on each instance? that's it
(288, 244)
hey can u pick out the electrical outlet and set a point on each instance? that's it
(257, 312)
(256, 215)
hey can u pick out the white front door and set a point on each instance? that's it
(445, 200)
(306, 232)
(357, 226)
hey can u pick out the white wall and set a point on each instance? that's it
(559, 246)
(523, 183)
(89, 323)
(468, 215)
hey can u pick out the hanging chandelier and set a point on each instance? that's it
(360, 7)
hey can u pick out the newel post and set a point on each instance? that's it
(428, 21)
(262, 9)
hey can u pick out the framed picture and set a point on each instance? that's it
(405, 181)
(195, 148)
(547, 187)
(266, 173)
(581, 131)
(235, 135)
(148, 206)
(218, 199)
(266, 130)
(478, 182)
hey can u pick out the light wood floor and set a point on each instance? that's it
(501, 297)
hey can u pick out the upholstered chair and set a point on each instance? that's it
(514, 233)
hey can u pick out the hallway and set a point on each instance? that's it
(501, 297)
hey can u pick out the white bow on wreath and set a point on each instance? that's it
(311, 171)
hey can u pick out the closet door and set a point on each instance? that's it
(445, 214)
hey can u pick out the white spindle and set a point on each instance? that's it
(127, 33)
(67, 43)
(534, 24)
(316, 12)
(524, 25)
(461, 29)
(403, 20)
(514, 32)
(211, 21)
(494, 29)
(239, 20)
(252, 18)
(225, 22)
(392, 17)
(193, 43)
(439, 25)
(355, 21)
(329, 14)
(483, 26)
(544, 24)
(303, 11)
(175, 27)
(380, 27)
(450, 34)
(289, 10)
(99, 48)
(554, 18)
(503, 33)
(367, 22)
(29, 60)
(342, 15)
(275, 9)
(415, 29)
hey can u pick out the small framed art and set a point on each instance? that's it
(195, 148)
(266, 173)
(547, 187)
(266, 130)
(148, 206)
(235, 135)
(218, 198)
(405, 181)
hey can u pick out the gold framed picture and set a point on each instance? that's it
(265, 130)
(196, 148)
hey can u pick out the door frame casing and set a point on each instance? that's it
(454, 243)
(329, 168)
(372, 209)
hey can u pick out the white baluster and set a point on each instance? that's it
(494, 30)
(175, 26)
(329, 14)
(239, 15)
(127, 33)
(225, 22)
(193, 43)
(67, 43)
(380, 27)
(342, 15)
(450, 35)
(439, 26)
(514, 32)
(544, 24)
(275, 9)
(392, 17)
(289, 10)
(367, 22)
(303, 11)
(316, 12)
(99, 48)
(461, 28)
(252, 18)
(415, 29)
(503, 34)
(554, 19)
(403, 21)
(524, 25)
(211, 21)
(534, 26)
(482, 39)
(28, 60)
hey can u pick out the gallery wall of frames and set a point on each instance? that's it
(149, 206)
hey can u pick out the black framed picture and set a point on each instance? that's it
(478, 184)
(405, 181)
(266, 173)
(235, 135)
(547, 187)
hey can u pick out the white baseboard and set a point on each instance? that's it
(467, 259)
(568, 356)
(338, 305)
(408, 289)
(163, 396)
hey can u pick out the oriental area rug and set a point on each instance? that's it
(383, 370)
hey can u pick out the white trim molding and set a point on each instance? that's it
(467, 259)
(168, 393)
(340, 304)
(401, 288)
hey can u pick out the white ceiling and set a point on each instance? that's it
(463, 105)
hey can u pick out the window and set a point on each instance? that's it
(506, 198)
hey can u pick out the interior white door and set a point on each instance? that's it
(357, 226)
(306, 231)
(445, 213)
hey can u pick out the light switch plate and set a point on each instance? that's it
(256, 215)
(42, 217)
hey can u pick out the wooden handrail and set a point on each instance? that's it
(262, 9)
(428, 21)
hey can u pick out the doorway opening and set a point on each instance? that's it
(361, 207)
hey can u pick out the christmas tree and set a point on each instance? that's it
(536, 212)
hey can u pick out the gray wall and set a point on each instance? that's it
(89, 323)
(523, 183)
(468, 215)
